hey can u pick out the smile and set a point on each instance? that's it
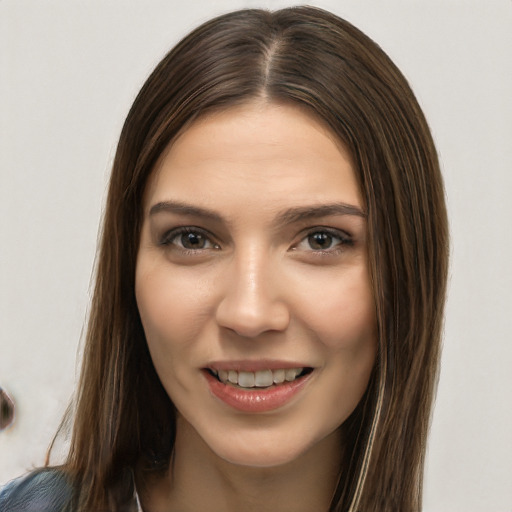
(259, 379)
(258, 391)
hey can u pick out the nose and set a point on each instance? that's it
(252, 301)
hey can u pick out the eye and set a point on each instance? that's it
(324, 240)
(189, 239)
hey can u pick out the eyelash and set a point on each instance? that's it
(345, 240)
(170, 236)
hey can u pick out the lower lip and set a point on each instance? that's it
(255, 399)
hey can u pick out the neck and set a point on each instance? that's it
(200, 480)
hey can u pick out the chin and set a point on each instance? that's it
(257, 459)
(260, 451)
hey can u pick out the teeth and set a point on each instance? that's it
(245, 379)
(259, 379)
(279, 376)
(263, 379)
(291, 373)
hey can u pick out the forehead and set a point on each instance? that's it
(255, 155)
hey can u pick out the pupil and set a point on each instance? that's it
(320, 240)
(192, 240)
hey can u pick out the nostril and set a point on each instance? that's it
(6, 409)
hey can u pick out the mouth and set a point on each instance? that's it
(253, 387)
(261, 379)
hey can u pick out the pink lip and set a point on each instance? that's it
(257, 399)
(254, 366)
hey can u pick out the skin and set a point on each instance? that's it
(256, 285)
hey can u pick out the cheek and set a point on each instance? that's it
(345, 325)
(171, 310)
(342, 312)
(170, 321)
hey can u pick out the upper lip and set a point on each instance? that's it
(256, 365)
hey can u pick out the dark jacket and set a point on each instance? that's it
(49, 490)
(46, 490)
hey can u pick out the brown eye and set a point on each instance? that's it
(193, 240)
(320, 241)
(189, 239)
(324, 241)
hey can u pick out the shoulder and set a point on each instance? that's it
(43, 490)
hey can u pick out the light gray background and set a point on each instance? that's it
(69, 71)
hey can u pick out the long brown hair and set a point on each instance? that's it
(124, 420)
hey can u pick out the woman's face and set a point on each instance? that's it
(252, 282)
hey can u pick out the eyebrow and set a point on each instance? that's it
(289, 216)
(184, 209)
(301, 213)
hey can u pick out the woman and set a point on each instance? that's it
(266, 320)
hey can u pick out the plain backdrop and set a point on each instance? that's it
(69, 71)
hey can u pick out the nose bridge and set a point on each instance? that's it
(251, 274)
(252, 302)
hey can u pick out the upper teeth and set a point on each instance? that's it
(259, 379)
